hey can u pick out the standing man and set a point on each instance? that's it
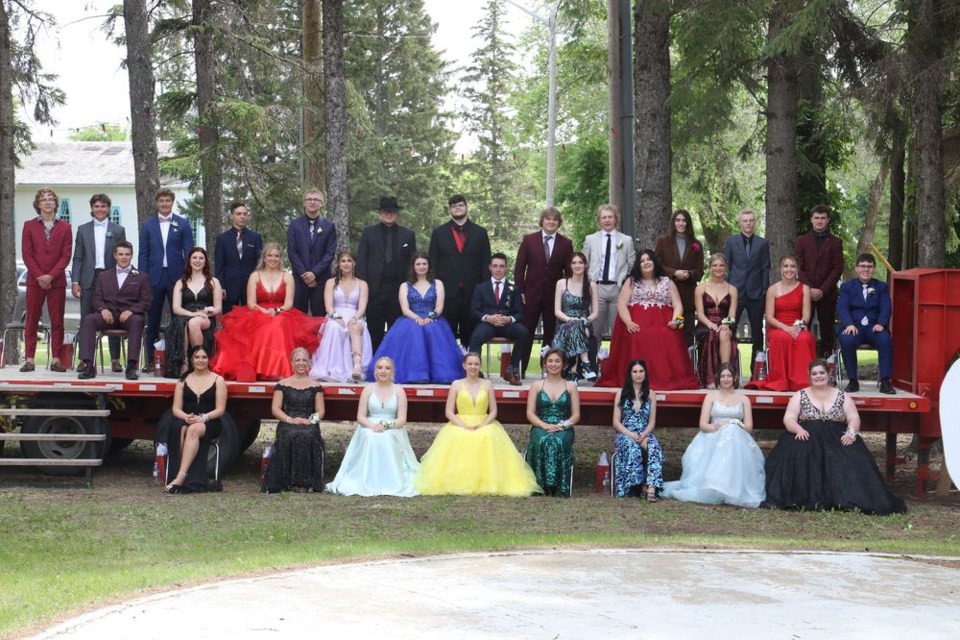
(235, 256)
(165, 241)
(542, 259)
(311, 247)
(383, 260)
(820, 265)
(497, 310)
(864, 312)
(121, 298)
(46, 253)
(460, 256)
(748, 260)
(610, 257)
(94, 253)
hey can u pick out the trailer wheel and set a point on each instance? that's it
(229, 440)
(64, 450)
(249, 434)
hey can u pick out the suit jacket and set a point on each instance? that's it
(819, 268)
(534, 274)
(44, 257)
(692, 260)
(483, 303)
(85, 252)
(750, 275)
(460, 270)
(624, 251)
(316, 256)
(852, 308)
(179, 244)
(371, 255)
(229, 268)
(135, 295)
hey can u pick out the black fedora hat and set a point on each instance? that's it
(388, 203)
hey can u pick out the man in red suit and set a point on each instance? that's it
(46, 248)
(120, 301)
(543, 258)
(820, 262)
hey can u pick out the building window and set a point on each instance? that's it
(64, 211)
(195, 225)
(115, 214)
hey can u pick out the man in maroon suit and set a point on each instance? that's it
(46, 247)
(820, 262)
(120, 301)
(543, 258)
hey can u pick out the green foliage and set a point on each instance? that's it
(101, 133)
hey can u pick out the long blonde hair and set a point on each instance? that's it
(270, 246)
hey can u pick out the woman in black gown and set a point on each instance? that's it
(299, 453)
(197, 301)
(821, 462)
(199, 400)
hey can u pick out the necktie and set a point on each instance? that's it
(865, 286)
(546, 246)
(748, 242)
(605, 276)
(388, 246)
(496, 292)
(313, 231)
(240, 244)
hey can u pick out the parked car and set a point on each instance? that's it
(71, 319)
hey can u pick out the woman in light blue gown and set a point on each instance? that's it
(379, 460)
(723, 464)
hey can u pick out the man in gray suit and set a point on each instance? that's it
(748, 258)
(610, 257)
(93, 253)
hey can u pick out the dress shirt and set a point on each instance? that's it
(164, 232)
(122, 276)
(99, 242)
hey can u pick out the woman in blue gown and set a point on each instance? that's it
(379, 460)
(723, 464)
(637, 456)
(420, 342)
(553, 407)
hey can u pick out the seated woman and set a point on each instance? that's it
(199, 399)
(197, 299)
(790, 345)
(472, 454)
(256, 341)
(575, 305)
(647, 328)
(716, 302)
(723, 464)
(299, 453)
(820, 463)
(553, 407)
(379, 460)
(637, 456)
(345, 348)
(420, 342)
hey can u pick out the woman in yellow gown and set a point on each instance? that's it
(472, 454)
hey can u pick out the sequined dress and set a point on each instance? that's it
(175, 337)
(634, 465)
(550, 453)
(571, 336)
(299, 453)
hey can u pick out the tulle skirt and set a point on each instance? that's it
(377, 464)
(255, 346)
(428, 353)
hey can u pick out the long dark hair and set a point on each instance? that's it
(188, 270)
(587, 298)
(193, 350)
(412, 275)
(626, 394)
(672, 229)
(337, 274)
(658, 271)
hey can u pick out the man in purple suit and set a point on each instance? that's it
(311, 246)
(120, 301)
(820, 262)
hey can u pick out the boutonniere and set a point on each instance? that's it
(509, 288)
(871, 291)
(249, 246)
(696, 246)
(619, 244)
(109, 234)
(134, 272)
(174, 225)
(405, 245)
(319, 229)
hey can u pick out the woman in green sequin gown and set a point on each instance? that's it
(553, 407)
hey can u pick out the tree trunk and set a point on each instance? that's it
(311, 42)
(811, 155)
(336, 119)
(870, 219)
(8, 247)
(781, 147)
(897, 192)
(654, 195)
(211, 175)
(142, 113)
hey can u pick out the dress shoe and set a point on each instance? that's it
(27, 367)
(132, 372)
(511, 378)
(852, 387)
(147, 367)
(589, 372)
(87, 372)
(116, 367)
(56, 367)
(886, 387)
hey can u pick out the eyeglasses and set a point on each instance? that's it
(866, 266)
(313, 199)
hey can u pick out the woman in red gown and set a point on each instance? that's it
(256, 341)
(647, 329)
(790, 347)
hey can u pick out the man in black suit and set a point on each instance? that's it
(383, 261)
(235, 256)
(459, 254)
(498, 311)
(748, 260)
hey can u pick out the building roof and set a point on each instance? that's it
(81, 163)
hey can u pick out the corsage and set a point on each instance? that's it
(386, 424)
(432, 315)
(799, 324)
(678, 322)
(314, 418)
(729, 321)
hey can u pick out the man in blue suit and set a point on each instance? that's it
(311, 246)
(864, 311)
(165, 242)
(235, 256)
(748, 258)
(497, 309)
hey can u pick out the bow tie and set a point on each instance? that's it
(127, 270)
(100, 224)
(167, 219)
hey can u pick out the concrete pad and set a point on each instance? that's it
(560, 594)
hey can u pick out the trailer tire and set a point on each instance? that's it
(66, 450)
(229, 440)
(249, 434)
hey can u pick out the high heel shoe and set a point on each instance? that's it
(174, 488)
(357, 370)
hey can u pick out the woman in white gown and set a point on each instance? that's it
(723, 464)
(379, 460)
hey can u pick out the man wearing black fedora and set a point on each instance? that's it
(383, 260)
